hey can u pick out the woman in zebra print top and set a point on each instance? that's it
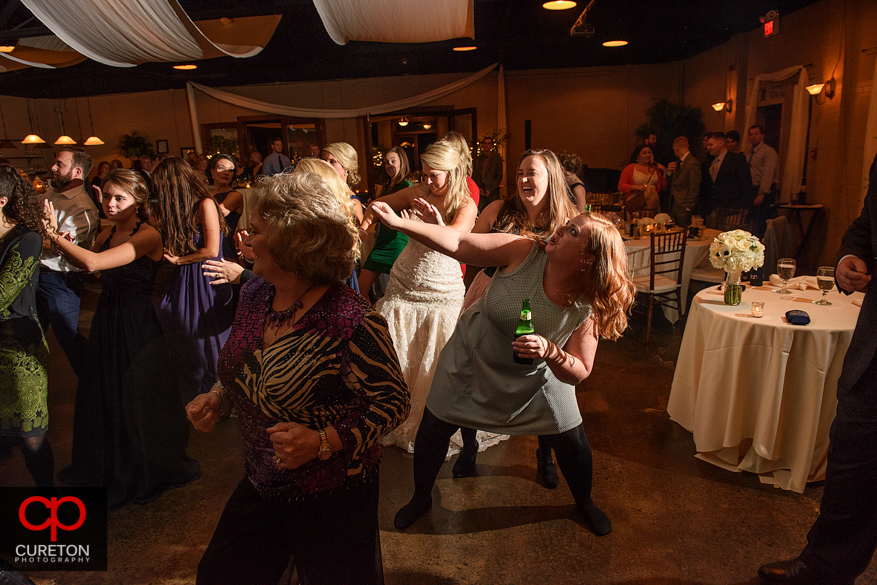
(310, 368)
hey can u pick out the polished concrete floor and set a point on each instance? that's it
(676, 520)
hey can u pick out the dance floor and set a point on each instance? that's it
(677, 520)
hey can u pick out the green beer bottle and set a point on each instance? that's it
(525, 327)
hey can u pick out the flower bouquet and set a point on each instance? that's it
(735, 252)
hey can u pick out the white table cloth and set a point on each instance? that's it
(696, 252)
(759, 395)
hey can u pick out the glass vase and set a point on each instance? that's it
(733, 289)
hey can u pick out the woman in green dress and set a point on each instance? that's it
(24, 356)
(388, 242)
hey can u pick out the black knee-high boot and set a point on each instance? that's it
(575, 461)
(465, 465)
(546, 470)
(40, 461)
(430, 448)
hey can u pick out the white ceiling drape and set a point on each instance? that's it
(794, 152)
(395, 106)
(126, 34)
(397, 21)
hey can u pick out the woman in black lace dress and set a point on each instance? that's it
(130, 429)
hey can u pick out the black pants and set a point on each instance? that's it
(58, 297)
(332, 538)
(844, 537)
(431, 445)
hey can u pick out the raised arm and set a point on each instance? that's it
(146, 242)
(397, 201)
(501, 250)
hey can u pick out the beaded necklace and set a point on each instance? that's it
(136, 229)
(278, 318)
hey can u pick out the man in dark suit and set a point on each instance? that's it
(487, 172)
(843, 538)
(685, 179)
(726, 180)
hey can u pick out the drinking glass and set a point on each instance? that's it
(785, 270)
(825, 280)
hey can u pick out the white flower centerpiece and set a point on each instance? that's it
(735, 252)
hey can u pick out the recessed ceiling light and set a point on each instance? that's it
(185, 67)
(7, 48)
(461, 49)
(559, 5)
(614, 43)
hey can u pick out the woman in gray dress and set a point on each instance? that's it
(579, 292)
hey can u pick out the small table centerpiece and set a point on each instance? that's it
(735, 252)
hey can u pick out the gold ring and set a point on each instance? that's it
(277, 460)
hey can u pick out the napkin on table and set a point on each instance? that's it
(797, 283)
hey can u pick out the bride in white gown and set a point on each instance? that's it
(425, 291)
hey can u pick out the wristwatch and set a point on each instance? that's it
(325, 447)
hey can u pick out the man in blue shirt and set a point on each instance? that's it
(276, 162)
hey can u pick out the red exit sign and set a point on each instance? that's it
(771, 22)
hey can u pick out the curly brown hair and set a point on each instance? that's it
(24, 205)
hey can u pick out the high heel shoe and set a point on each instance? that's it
(465, 465)
(546, 470)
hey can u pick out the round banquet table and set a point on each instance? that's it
(759, 395)
(697, 252)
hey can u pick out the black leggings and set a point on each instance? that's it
(434, 435)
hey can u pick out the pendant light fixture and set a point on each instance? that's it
(63, 139)
(92, 140)
(31, 138)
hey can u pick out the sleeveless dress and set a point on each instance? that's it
(196, 318)
(24, 355)
(477, 385)
(388, 242)
(229, 251)
(421, 305)
(129, 425)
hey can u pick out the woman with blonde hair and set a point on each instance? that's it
(195, 316)
(425, 290)
(345, 161)
(310, 369)
(579, 292)
(340, 189)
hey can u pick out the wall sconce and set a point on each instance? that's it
(727, 106)
(403, 121)
(817, 89)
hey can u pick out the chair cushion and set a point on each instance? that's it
(662, 284)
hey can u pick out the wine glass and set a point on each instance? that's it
(785, 270)
(825, 280)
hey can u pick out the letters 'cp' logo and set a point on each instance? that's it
(52, 522)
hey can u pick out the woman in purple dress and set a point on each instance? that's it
(195, 316)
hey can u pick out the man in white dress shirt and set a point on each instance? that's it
(60, 284)
(763, 165)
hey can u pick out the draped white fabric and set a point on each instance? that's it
(794, 152)
(138, 31)
(398, 105)
(119, 34)
(397, 21)
(870, 134)
(46, 52)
